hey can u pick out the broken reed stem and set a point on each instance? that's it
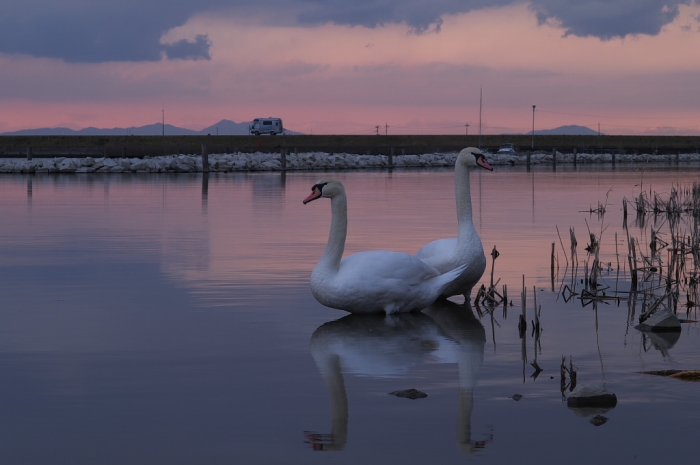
(534, 294)
(522, 324)
(552, 262)
(633, 260)
(562, 246)
(494, 256)
(536, 323)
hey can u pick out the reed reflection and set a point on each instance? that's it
(389, 346)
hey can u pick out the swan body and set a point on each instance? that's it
(374, 281)
(465, 249)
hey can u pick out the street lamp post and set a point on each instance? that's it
(533, 126)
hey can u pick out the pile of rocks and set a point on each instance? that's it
(219, 163)
(302, 161)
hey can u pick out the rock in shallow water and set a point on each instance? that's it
(409, 394)
(591, 396)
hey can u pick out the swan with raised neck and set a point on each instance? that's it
(465, 249)
(374, 281)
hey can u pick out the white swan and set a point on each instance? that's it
(374, 281)
(466, 248)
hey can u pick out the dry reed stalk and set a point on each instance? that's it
(494, 256)
(551, 266)
(633, 260)
(522, 323)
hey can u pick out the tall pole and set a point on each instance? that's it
(467, 132)
(533, 126)
(164, 131)
(481, 92)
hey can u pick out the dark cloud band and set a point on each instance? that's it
(131, 30)
(186, 50)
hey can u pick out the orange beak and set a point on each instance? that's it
(483, 163)
(315, 194)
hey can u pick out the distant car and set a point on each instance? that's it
(507, 149)
(269, 126)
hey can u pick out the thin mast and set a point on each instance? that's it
(480, 100)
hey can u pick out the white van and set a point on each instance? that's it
(269, 126)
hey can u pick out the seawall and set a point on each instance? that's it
(151, 146)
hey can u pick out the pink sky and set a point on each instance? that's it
(343, 79)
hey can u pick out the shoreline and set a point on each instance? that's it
(310, 161)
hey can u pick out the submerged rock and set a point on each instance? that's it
(683, 375)
(409, 394)
(591, 396)
(598, 420)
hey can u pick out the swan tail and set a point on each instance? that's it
(448, 277)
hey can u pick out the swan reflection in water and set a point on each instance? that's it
(389, 346)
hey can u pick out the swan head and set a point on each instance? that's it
(328, 188)
(471, 156)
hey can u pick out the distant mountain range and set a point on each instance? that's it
(224, 127)
(571, 130)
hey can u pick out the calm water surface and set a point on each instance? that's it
(168, 319)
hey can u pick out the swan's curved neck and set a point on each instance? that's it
(463, 194)
(339, 230)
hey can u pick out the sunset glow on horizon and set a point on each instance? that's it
(334, 75)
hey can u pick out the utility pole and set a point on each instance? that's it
(164, 130)
(533, 126)
(480, 101)
(467, 132)
(386, 129)
(377, 127)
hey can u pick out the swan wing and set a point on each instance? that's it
(440, 254)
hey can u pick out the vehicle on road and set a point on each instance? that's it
(271, 126)
(507, 149)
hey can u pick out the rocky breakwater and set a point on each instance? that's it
(302, 161)
(219, 163)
